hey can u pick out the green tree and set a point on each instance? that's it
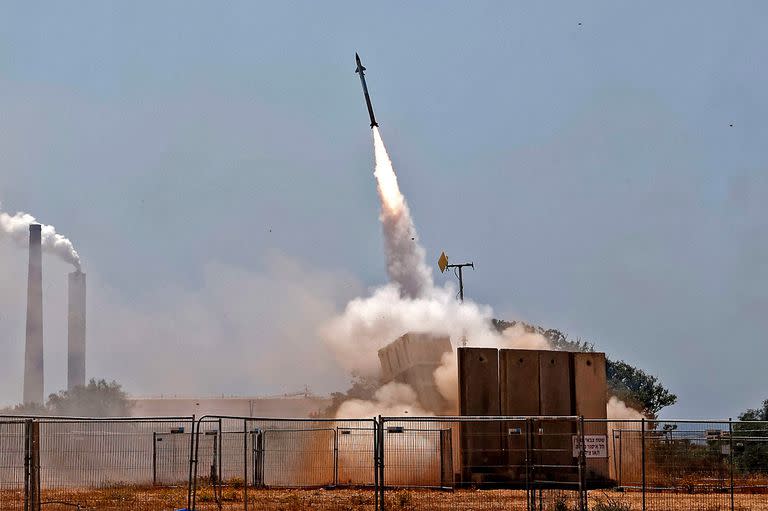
(756, 414)
(98, 398)
(751, 441)
(637, 388)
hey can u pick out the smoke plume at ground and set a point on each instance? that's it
(16, 227)
(392, 399)
(618, 410)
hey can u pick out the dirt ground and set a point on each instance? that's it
(170, 499)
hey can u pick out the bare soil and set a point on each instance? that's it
(170, 499)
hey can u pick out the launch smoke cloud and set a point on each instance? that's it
(16, 227)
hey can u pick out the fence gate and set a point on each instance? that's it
(556, 465)
(170, 457)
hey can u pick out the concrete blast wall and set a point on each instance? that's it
(412, 359)
(479, 395)
(33, 351)
(76, 330)
(529, 383)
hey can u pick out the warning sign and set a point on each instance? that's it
(596, 446)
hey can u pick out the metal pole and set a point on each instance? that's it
(193, 446)
(336, 456)
(642, 446)
(460, 267)
(220, 438)
(376, 463)
(382, 504)
(34, 483)
(27, 460)
(621, 450)
(582, 467)
(528, 464)
(730, 458)
(245, 465)
(154, 458)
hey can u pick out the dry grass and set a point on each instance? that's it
(162, 499)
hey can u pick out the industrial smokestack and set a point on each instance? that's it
(76, 330)
(33, 353)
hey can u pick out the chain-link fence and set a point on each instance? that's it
(389, 463)
(479, 463)
(77, 463)
(681, 465)
(13, 463)
(246, 463)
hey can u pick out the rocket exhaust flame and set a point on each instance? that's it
(406, 264)
(16, 227)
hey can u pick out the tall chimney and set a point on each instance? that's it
(76, 330)
(33, 353)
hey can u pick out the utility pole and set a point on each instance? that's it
(461, 276)
(442, 263)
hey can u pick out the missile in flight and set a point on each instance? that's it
(361, 70)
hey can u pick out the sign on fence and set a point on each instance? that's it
(596, 446)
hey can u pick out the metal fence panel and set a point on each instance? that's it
(105, 464)
(468, 463)
(687, 465)
(480, 463)
(284, 464)
(12, 464)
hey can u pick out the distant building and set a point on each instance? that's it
(291, 405)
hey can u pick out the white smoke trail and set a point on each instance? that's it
(405, 256)
(16, 227)
(409, 303)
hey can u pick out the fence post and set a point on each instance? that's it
(27, 460)
(621, 450)
(154, 458)
(642, 446)
(530, 499)
(375, 464)
(582, 467)
(380, 434)
(730, 458)
(32, 500)
(336, 456)
(219, 471)
(192, 489)
(245, 464)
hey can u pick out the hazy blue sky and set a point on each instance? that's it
(603, 164)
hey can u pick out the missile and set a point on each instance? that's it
(361, 70)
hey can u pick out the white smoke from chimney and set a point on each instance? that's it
(405, 256)
(16, 227)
